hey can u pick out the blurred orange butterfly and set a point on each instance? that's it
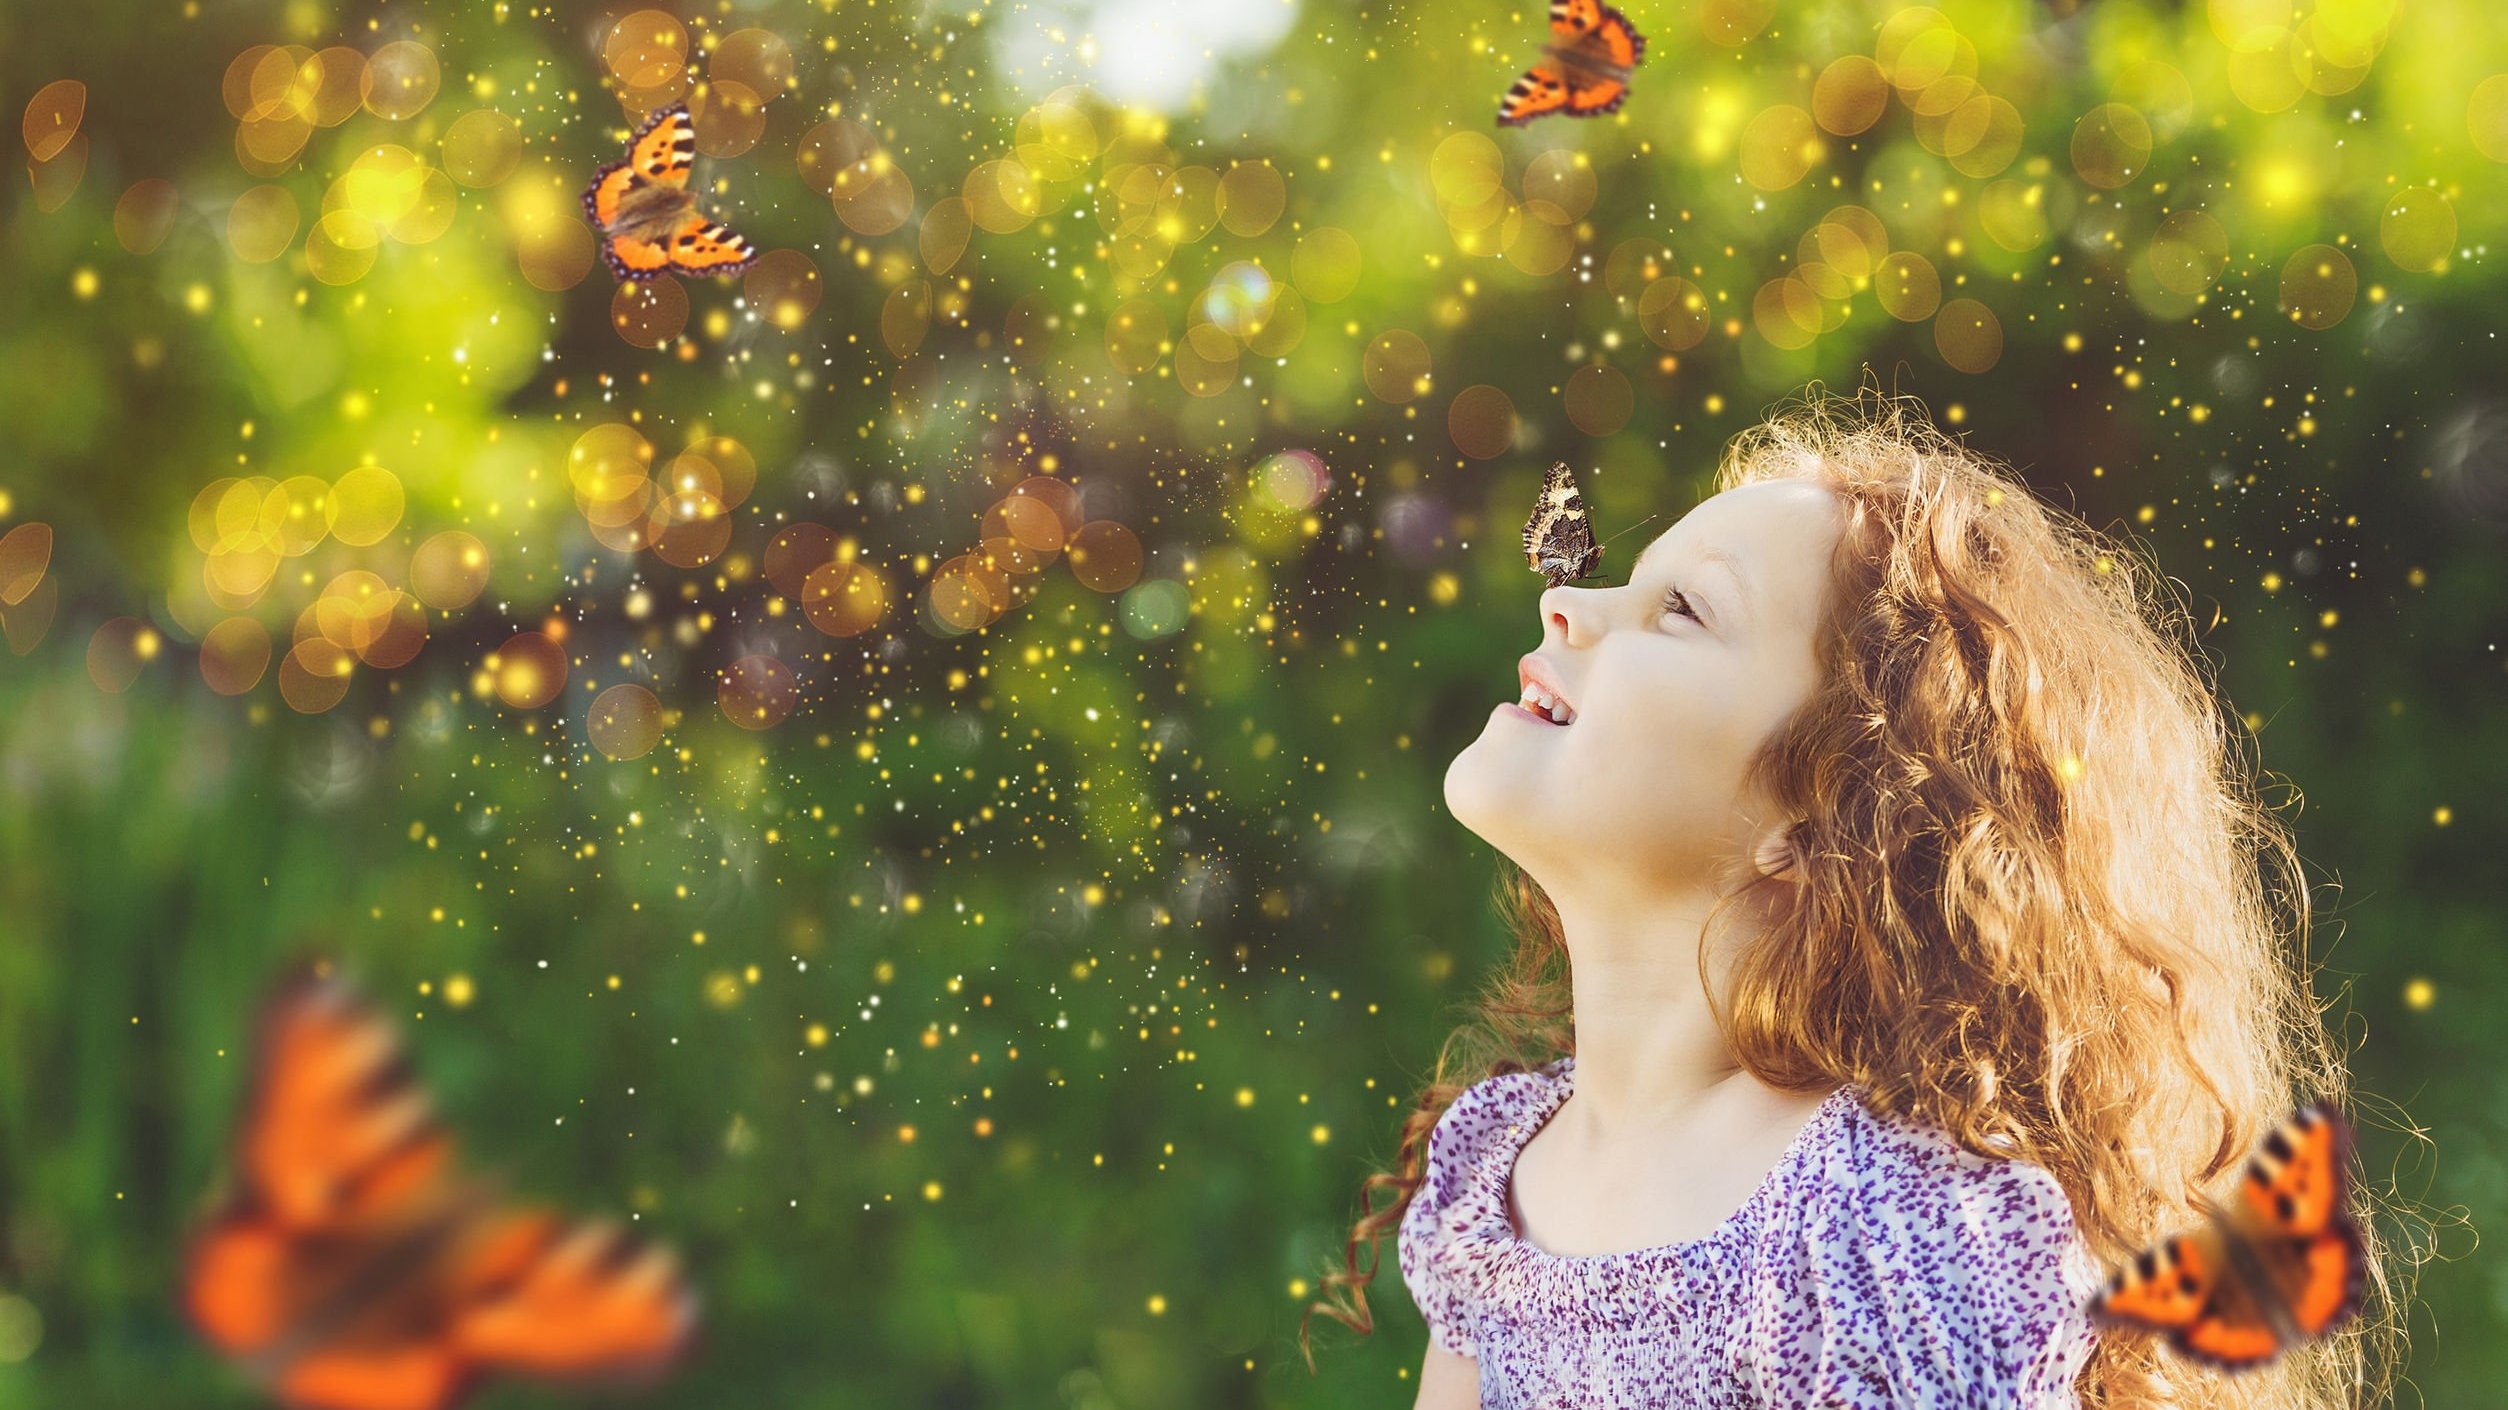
(349, 1269)
(648, 218)
(2281, 1267)
(1585, 74)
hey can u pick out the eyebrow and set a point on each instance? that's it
(1710, 554)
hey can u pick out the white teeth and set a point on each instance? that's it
(1542, 702)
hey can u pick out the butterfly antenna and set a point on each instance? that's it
(1649, 518)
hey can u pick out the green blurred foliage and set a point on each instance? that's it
(1178, 844)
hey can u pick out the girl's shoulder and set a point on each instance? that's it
(1894, 1169)
(1900, 1216)
(1496, 1114)
(1911, 1249)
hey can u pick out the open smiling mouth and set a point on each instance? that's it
(1539, 704)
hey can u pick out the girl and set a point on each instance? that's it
(2001, 988)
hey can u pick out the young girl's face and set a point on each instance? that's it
(1673, 680)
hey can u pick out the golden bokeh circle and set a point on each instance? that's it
(1251, 197)
(1481, 422)
(1850, 95)
(1599, 400)
(905, 316)
(482, 147)
(528, 671)
(844, 597)
(1396, 366)
(2111, 145)
(1907, 286)
(797, 551)
(2418, 229)
(234, 655)
(1779, 146)
(1563, 176)
(625, 722)
(1206, 360)
(943, 236)
(646, 49)
(648, 313)
(1466, 169)
(261, 224)
(2264, 71)
(2189, 250)
(119, 650)
(145, 214)
(1968, 335)
(314, 675)
(1105, 556)
(2318, 285)
(53, 116)
(2486, 117)
(365, 505)
(1674, 314)
(399, 80)
(1136, 333)
(757, 692)
(1325, 265)
(784, 287)
(757, 59)
(449, 570)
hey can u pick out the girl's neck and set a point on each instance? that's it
(1648, 1055)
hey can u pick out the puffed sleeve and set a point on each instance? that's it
(1939, 1278)
(1424, 1243)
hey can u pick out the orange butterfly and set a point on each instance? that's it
(648, 218)
(350, 1269)
(1591, 50)
(2281, 1267)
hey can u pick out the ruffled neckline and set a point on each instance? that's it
(1495, 1175)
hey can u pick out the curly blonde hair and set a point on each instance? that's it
(2038, 901)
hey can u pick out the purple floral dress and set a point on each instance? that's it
(1878, 1265)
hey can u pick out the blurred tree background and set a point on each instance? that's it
(914, 772)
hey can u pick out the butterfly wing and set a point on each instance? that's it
(2291, 1221)
(1573, 19)
(1616, 41)
(664, 150)
(1598, 82)
(405, 1375)
(2184, 1287)
(1542, 89)
(1595, 97)
(631, 258)
(1559, 537)
(339, 1162)
(702, 245)
(586, 1302)
(2293, 1197)
(602, 199)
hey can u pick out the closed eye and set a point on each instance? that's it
(1675, 595)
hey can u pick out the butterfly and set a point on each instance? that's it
(648, 218)
(2280, 1267)
(1558, 538)
(349, 1268)
(1585, 72)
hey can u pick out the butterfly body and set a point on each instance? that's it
(1585, 66)
(351, 1267)
(2279, 1266)
(1559, 537)
(652, 213)
(647, 216)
